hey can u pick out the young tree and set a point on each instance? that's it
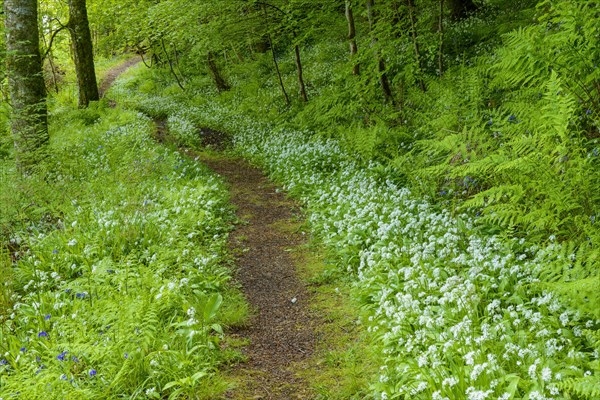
(352, 36)
(83, 53)
(381, 70)
(29, 122)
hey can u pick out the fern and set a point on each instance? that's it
(587, 387)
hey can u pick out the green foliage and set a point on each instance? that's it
(107, 267)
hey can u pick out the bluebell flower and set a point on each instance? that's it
(588, 111)
(92, 372)
(126, 355)
(43, 334)
(3, 361)
(75, 359)
(62, 356)
(47, 317)
(512, 118)
(80, 295)
(63, 377)
(55, 251)
(23, 349)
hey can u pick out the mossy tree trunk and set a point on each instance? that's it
(83, 52)
(218, 79)
(29, 123)
(381, 69)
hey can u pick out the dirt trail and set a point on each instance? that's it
(113, 73)
(282, 332)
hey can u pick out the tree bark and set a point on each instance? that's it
(285, 95)
(460, 9)
(29, 122)
(220, 83)
(413, 29)
(170, 62)
(83, 53)
(300, 78)
(383, 79)
(441, 39)
(352, 36)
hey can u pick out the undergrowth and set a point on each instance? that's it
(455, 310)
(115, 279)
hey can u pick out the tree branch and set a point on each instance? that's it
(52, 39)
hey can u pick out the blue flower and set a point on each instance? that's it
(92, 372)
(80, 295)
(47, 317)
(75, 359)
(588, 111)
(63, 377)
(512, 118)
(43, 334)
(23, 349)
(62, 356)
(3, 362)
(126, 355)
(55, 251)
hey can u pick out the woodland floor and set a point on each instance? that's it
(282, 332)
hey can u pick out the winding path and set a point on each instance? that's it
(282, 331)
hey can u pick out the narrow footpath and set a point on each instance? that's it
(282, 331)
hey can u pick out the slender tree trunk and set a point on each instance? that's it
(383, 79)
(83, 52)
(287, 98)
(352, 36)
(162, 42)
(29, 123)
(441, 39)
(413, 29)
(460, 9)
(299, 69)
(220, 83)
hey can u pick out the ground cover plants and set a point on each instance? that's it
(457, 312)
(114, 264)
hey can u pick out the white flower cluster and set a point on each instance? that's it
(447, 302)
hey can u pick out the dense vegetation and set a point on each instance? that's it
(449, 162)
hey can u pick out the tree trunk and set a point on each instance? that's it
(441, 39)
(270, 41)
(352, 36)
(216, 74)
(413, 29)
(170, 62)
(460, 9)
(300, 78)
(383, 79)
(29, 123)
(83, 52)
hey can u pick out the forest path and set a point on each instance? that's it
(282, 330)
(113, 73)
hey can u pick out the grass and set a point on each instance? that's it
(115, 277)
(345, 360)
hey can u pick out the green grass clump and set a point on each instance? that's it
(114, 277)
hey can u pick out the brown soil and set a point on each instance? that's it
(114, 73)
(282, 331)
